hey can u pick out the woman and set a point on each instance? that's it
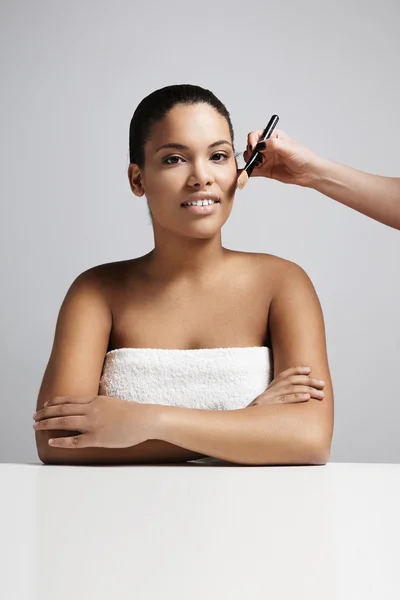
(195, 314)
(283, 159)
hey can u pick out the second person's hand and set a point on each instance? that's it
(281, 158)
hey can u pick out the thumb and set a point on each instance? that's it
(253, 138)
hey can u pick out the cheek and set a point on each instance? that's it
(154, 185)
(165, 179)
(227, 179)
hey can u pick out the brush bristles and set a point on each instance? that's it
(242, 180)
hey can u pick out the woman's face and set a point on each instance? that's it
(189, 153)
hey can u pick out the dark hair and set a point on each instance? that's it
(154, 108)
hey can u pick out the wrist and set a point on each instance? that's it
(318, 172)
(156, 415)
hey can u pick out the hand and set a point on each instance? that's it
(103, 421)
(291, 386)
(281, 158)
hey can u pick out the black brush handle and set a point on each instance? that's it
(251, 163)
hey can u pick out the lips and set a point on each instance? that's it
(202, 196)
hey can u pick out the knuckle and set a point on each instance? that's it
(75, 440)
(64, 421)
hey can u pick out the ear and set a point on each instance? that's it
(135, 179)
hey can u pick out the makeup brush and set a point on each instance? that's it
(251, 163)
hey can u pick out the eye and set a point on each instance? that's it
(173, 159)
(223, 156)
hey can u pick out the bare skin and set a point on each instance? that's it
(152, 313)
(228, 308)
(285, 160)
(188, 292)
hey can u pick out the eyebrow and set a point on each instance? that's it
(182, 147)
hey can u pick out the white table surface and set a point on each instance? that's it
(200, 532)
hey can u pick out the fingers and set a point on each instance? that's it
(291, 386)
(301, 370)
(254, 136)
(280, 399)
(296, 381)
(71, 423)
(291, 398)
(303, 389)
(301, 380)
(75, 441)
(60, 410)
(70, 400)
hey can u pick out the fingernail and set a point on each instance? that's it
(261, 146)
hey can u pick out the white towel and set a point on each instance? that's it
(207, 378)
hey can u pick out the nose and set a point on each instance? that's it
(201, 175)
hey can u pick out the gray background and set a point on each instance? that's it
(72, 74)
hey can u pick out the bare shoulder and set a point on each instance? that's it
(110, 270)
(107, 277)
(280, 273)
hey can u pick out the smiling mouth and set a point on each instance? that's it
(201, 203)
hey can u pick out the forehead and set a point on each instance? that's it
(190, 125)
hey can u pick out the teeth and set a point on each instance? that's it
(199, 203)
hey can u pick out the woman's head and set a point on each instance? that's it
(181, 142)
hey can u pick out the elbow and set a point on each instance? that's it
(319, 456)
(46, 460)
(45, 454)
(48, 455)
(301, 453)
(44, 457)
(42, 447)
(320, 450)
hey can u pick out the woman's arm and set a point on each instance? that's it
(375, 196)
(274, 434)
(74, 369)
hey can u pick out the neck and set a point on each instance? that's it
(185, 259)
